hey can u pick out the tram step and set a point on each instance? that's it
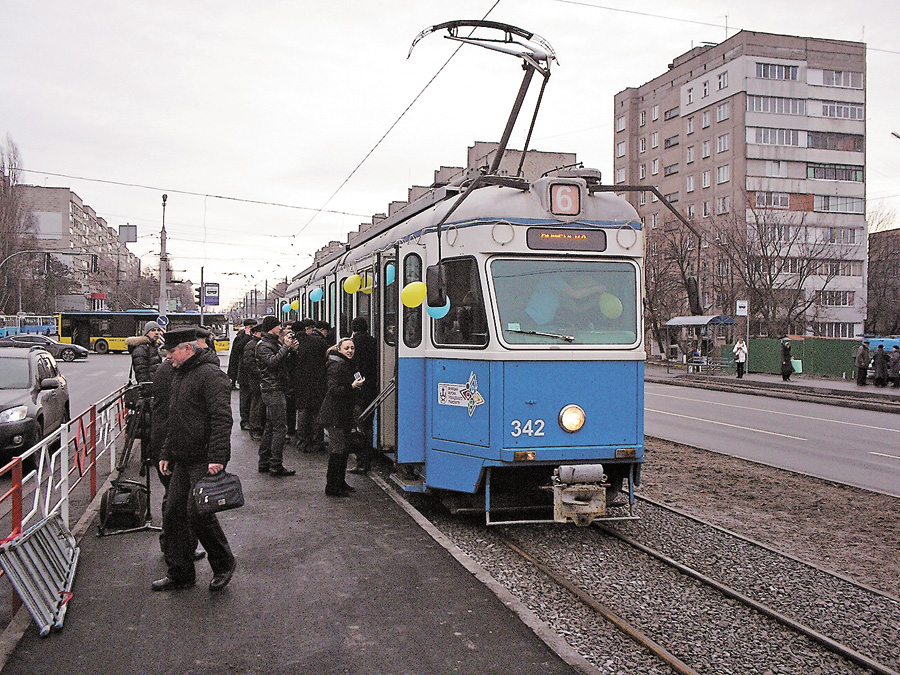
(408, 484)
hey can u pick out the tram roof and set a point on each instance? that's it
(714, 320)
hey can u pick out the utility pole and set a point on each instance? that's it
(202, 295)
(163, 304)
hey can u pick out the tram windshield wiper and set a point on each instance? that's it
(567, 338)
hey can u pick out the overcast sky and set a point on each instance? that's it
(278, 102)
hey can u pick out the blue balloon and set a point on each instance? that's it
(389, 274)
(438, 312)
(285, 308)
(315, 295)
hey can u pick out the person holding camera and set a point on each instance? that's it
(272, 358)
(337, 414)
(144, 350)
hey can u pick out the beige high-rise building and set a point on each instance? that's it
(764, 136)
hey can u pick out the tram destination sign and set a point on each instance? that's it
(558, 239)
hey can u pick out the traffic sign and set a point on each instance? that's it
(162, 321)
(741, 308)
(210, 294)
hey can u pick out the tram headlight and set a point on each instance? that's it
(571, 418)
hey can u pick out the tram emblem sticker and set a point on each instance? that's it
(463, 395)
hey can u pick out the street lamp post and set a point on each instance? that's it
(162, 261)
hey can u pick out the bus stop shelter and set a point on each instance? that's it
(691, 340)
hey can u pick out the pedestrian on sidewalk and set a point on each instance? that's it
(198, 442)
(862, 363)
(337, 415)
(787, 368)
(880, 362)
(894, 367)
(740, 352)
(248, 380)
(272, 357)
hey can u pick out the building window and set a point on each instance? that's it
(672, 197)
(839, 268)
(840, 235)
(671, 141)
(834, 329)
(777, 105)
(825, 140)
(723, 111)
(654, 139)
(776, 169)
(705, 210)
(654, 113)
(620, 123)
(704, 119)
(722, 205)
(706, 89)
(670, 170)
(689, 125)
(620, 149)
(689, 155)
(723, 80)
(620, 175)
(689, 184)
(704, 149)
(842, 110)
(842, 78)
(836, 204)
(642, 199)
(704, 179)
(642, 144)
(642, 171)
(642, 118)
(722, 142)
(670, 114)
(723, 174)
(653, 197)
(691, 211)
(776, 71)
(653, 221)
(835, 172)
(767, 136)
(654, 166)
(834, 298)
(773, 200)
(690, 95)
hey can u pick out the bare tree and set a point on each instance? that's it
(883, 303)
(16, 228)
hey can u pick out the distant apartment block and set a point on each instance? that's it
(759, 127)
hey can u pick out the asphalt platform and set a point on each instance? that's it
(322, 585)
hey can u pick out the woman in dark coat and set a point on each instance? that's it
(880, 362)
(787, 369)
(336, 414)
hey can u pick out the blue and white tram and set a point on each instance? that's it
(524, 388)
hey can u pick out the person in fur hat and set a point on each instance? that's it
(144, 350)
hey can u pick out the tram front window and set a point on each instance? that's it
(566, 301)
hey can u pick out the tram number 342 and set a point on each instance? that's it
(529, 428)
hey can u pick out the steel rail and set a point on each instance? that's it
(630, 630)
(828, 643)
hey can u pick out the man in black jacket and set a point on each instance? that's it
(249, 382)
(271, 357)
(234, 369)
(365, 360)
(309, 382)
(144, 350)
(198, 442)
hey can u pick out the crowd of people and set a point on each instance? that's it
(294, 383)
(885, 365)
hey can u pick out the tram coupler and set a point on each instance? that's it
(579, 494)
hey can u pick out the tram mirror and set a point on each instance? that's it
(435, 281)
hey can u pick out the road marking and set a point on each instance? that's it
(883, 454)
(772, 412)
(725, 424)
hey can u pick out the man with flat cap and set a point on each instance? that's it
(198, 442)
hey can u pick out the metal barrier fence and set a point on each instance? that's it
(74, 448)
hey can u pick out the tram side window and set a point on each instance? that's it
(364, 296)
(332, 291)
(346, 312)
(466, 322)
(412, 316)
(390, 307)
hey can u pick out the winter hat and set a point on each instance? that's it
(269, 322)
(151, 325)
(249, 322)
(176, 337)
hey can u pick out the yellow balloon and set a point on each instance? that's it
(367, 284)
(610, 306)
(295, 305)
(351, 284)
(413, 294)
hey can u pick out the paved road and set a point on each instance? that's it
(857, 447)
(92, 379)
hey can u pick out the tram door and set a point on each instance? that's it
(387, 341)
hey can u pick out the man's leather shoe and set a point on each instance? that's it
(220, 580)
(336, 493)
(359, 471)
(199, 555)
(262, 469)
(346, 487)
(167, 584)
(281, 471)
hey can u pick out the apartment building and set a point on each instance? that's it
(97, 258)
(764, 133)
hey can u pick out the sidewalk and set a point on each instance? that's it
(322, 586)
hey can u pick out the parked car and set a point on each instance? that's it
(59, 350)
(34, 399)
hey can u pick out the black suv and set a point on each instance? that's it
(58, 349)
(34, 399)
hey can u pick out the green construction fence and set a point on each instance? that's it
(832, 357)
